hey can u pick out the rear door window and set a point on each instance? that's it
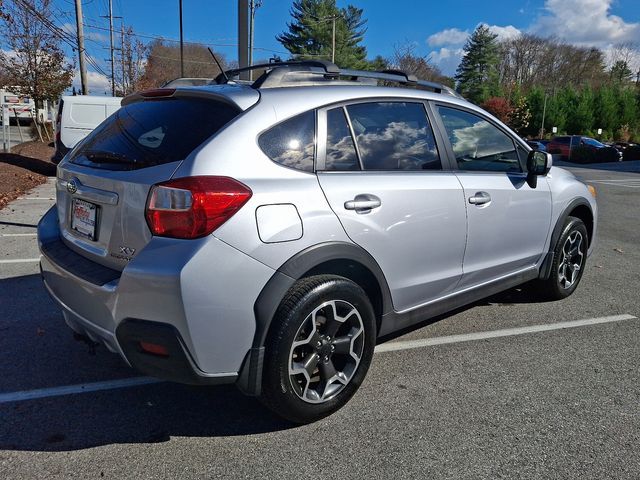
(341, 151)
(394, 136)
(153, 132)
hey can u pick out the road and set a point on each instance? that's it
(471, 400)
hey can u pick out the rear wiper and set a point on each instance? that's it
(98, 156)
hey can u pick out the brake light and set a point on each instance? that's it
(193, 207)
(158, 92)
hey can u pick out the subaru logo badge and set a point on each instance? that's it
(72, 187)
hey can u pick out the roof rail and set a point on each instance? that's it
(276, 72)
(328, 67)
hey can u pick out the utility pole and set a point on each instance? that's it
(181, 44)
(544, 111)
(253, 6)
(243, 37)
(81, 53)
(124, 78)
(113, 71)
(333, 40)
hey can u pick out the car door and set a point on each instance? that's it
(507, 220)
(381, 171)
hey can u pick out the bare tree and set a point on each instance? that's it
(527, 61)
(132, 62)
(163, 63)
(407, 60)
(35, 64)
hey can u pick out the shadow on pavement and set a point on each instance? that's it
(35, 165)
(37, 351)
(627, 166)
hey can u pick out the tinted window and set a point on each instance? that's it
(592, 142)
(394, 136)
(477, 144)
(341, 151)
(152, 132)
(292, 142)
(564, 140)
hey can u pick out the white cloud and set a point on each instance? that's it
(450, 36)
(579, 22)
(505, 33)
(98, 83)
(451, 41)
(585, 22)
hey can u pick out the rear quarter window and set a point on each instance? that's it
(292, 142)
(153, 132)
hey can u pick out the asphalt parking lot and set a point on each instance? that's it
(479, 393)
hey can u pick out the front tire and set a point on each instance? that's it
(569, 259)
(319, 348)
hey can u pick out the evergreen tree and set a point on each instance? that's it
(477, 74)
(606, 110)
(620, 72)
(310, 33)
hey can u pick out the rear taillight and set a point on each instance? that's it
(193, 207)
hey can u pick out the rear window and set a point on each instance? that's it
(155, 132)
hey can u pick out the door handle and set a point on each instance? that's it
(480, 198)
(363, 203)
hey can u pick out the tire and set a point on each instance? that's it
(333, 325)
(570, 251)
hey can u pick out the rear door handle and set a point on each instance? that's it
(480, 198)
(363, 203)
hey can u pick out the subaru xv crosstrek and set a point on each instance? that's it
(268, 233)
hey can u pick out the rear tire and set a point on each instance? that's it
(569, 259)
(319, 348)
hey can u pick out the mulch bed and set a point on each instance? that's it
(27, 166)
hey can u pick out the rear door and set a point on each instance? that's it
(103, 185)
(381, 170)
(508, 221)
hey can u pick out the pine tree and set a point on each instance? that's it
(477, 74)
(620, 72)
(309, 35)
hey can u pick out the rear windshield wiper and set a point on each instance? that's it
(98, 157)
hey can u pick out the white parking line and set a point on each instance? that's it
(21, 260)
(18, 234)
(81, 388)
(387, 347)
(508, 332)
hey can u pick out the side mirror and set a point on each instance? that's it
(538, 163)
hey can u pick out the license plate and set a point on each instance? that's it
(83, 218)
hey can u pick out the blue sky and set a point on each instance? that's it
(438, 29)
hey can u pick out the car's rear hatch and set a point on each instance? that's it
(104, 182)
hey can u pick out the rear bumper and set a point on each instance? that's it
(192, 294)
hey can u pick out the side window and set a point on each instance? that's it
(292, 142)
(477, 144)
(394, 136)
(341, 151)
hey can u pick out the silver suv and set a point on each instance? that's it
(267, 233)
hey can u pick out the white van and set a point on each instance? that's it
(77, 116)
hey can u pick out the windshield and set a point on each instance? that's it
(153, 132)
(592, 142)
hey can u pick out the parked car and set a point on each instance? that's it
(272, 242)
(77, 116)
(579, 149)
(537, 145)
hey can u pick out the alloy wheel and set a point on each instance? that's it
(326, 351)
(571, 260)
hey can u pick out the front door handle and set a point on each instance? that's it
(480, 198)
(363, 203)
